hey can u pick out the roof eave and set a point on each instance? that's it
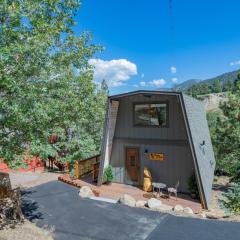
(152, 92)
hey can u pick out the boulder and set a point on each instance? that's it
(141, 203)
(188, 210)
(164, 208)
(212, 215)
(10, 210)
(203, 215)
(5, 185)
(127, 200)
(178, 208)
(86, 192)
(154, 203)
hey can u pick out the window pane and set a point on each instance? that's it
(154, 114)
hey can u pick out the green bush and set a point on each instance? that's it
(108, 174)
(232, 199)
(17, 163)
(192, 186)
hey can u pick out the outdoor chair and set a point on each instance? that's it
(173, 190)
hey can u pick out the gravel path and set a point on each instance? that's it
(31, 179)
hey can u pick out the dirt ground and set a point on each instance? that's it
(26, 231)
(31, 179)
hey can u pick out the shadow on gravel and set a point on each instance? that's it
(29, 207)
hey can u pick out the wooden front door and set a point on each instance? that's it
(132, 164)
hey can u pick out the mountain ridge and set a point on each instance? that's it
(223, 78)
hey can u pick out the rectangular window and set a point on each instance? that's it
(150, 114)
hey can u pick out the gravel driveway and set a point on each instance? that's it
(31, 179)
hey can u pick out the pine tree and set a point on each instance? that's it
(228, 134)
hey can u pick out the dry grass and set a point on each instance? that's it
(27, 231)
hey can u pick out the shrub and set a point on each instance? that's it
(108, 174)
(192, 186)
(72, 173)
(232, 199)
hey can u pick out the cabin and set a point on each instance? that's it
(167, 132)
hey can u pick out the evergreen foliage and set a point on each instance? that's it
(108, 174)
(232, 199)
(203, 88)
(226, 136)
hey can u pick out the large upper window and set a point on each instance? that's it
(151, 114)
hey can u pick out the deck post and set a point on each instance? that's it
(77, 169)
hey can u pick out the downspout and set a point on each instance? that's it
(199, 181)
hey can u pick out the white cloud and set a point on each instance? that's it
(115, 71)
(142, 75)
(158, 82)
(117, 84)
(235, 63)
(142, 84)
(173, 69)
(135, 85)
(174, 80)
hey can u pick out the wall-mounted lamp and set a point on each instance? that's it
(146, 151)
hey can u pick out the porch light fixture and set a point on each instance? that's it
(146, 151)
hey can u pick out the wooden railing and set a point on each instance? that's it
(88, 166)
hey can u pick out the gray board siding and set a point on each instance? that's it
(198, 126)
(125, 128)
(172, 141)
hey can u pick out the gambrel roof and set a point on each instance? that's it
(201, 143)
(198, 138)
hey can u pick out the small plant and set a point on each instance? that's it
(232, 199)
(192, 187)
(108, 174)
(72, 173)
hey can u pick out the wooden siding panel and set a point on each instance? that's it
(125, 128)
(177, 163)
(172, 141)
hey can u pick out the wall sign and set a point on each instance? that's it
(156, 156)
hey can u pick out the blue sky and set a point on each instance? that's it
(143, 39)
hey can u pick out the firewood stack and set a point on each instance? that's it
(10, 207)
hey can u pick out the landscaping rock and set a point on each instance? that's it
(141, 203)
(127, 200)
(164, 208)
(212, 215)
(188, 210)
(203, 215)
(178, 208)
(86, 192)
(154, 204)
